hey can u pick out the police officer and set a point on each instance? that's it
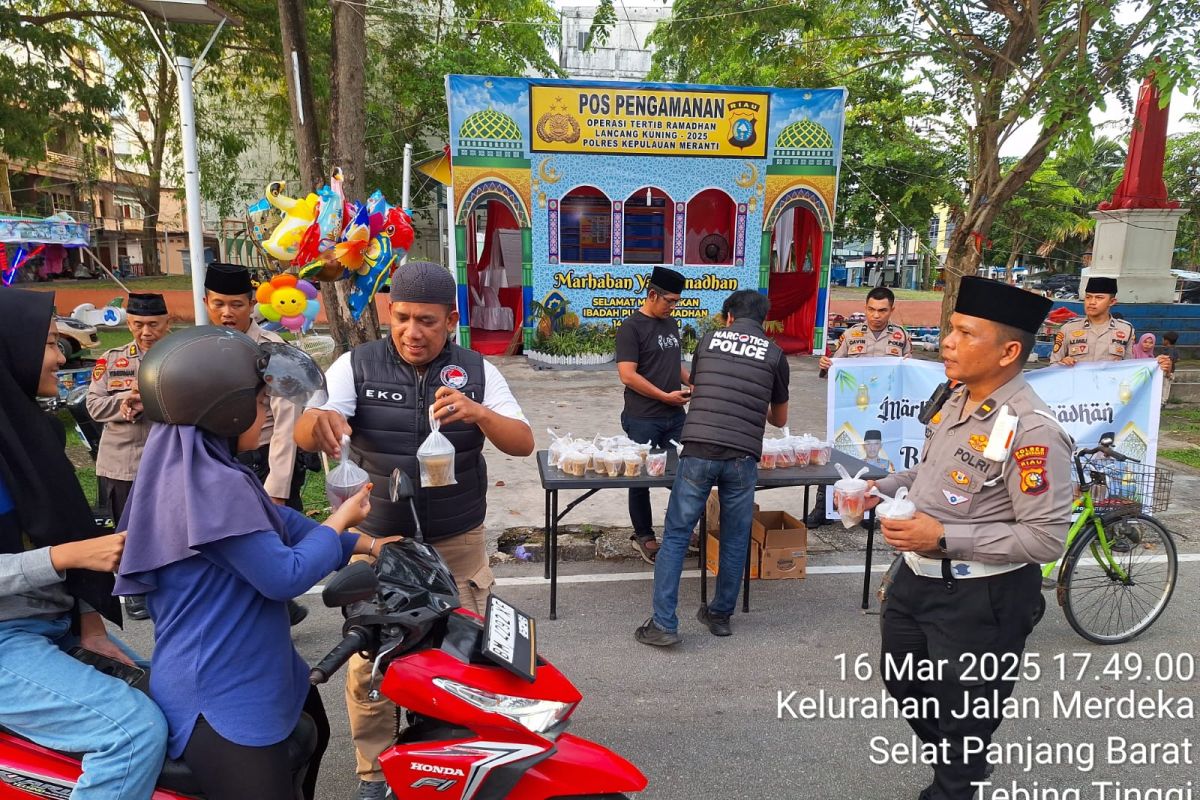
(968, 582)
(114, 401)
(872, 447)
(875, 337)
(229, 300)
(381, 394)
(1099, 336)
(722, 442)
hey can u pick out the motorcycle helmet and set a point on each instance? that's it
(210, 377)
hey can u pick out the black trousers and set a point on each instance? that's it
(259, 462)
(658, 431)
(933, 619)
(229, 771)
(113, 495)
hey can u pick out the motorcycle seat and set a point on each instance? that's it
(176, 777)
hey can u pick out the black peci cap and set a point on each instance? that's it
(146, 305)
(1100, 285)
(667, 279)
(225, 278)
(1001, 302)
(872, 436)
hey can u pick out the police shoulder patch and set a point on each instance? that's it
(1031, 461)
(1058, 341)
(99, 368)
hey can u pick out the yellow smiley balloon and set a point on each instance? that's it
(288, 302)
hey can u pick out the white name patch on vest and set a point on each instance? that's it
(384, 394)
(739, 344)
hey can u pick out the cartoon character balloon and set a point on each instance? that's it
(288, 301)
(298, 215)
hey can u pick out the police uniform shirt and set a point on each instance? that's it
(1017, 511)
(277, 430)
(861, 341)
(1083, 341)
(114, 378)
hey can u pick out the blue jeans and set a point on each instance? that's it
(735, 480)
(658, 431)
(66, 705)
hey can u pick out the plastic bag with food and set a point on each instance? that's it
(346, 479)
(436, 457)
(898, 507)
(850, 496)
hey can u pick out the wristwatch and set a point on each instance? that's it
(942, 543)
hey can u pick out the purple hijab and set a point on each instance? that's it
(189, 491)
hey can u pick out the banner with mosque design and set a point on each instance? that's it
(885, 396)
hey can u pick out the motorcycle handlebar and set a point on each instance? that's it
(354, 641)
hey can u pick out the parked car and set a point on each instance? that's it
(929, 342)
(837, 320)
(74, 336)
(857, 317)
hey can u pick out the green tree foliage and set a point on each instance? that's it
(1182, 175)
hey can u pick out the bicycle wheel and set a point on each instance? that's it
(1100, 605)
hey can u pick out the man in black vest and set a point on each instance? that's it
(388, 389)
(741, 383)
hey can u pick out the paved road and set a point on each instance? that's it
(702, 720)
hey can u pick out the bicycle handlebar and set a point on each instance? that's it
(354, 641)
(1102, 449)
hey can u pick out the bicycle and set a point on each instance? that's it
(1113, 539)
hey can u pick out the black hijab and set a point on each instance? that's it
(50, 505)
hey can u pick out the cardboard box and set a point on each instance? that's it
(783, 541)
(712, 556)
(712, 511)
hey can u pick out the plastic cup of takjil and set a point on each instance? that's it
(769, 458)
(656, 464)
(614, 463)
(850, 497)
(820, 454)
(785, 454)
(633, 463)
(575, 463)
(802, 451)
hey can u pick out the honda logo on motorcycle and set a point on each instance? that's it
(436, 770)
(438, 784)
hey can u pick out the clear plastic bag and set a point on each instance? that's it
(898, 507)
(850, 497)
(436, 457)
(346, 479)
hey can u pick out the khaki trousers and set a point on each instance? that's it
(373, 722)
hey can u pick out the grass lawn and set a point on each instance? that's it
(1181, 421)
(1190, 456)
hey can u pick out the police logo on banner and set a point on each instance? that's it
(742, 118)
(454, 376)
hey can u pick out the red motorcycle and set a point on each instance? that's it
(485, 715)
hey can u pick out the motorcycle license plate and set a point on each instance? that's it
(510, 638)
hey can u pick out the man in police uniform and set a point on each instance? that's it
(229, 300)
(722, 442)
(389, 389)
(872, 445)
(968, 582)
(875, 337)
(114, 401)
(1098, 336)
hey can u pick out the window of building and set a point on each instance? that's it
(649, 227)
(935, 225)
(711, 217)
(581, 39)
(949, 232)
(585, 227)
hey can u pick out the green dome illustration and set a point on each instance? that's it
(803, 135)
(489, 124)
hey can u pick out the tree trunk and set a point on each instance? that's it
(1014, 253)
(300, 94)
(348, 150)
(151, 195)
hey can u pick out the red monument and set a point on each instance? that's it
(1142, 186)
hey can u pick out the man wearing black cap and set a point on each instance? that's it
(990, 510)
(872, 446)
(382, 395)
(1098, 336)
(650, 362)
(113, 400)
(229, 299)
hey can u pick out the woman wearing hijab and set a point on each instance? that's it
(55, 570)
(1144, 347)
(218, 561)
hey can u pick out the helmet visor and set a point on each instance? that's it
(290, 372)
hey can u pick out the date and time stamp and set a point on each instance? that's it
(1130, 690)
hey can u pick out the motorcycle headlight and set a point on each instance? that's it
(538, 716)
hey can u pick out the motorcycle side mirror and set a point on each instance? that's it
(1107, 438)
(351, 584)
(401, 486)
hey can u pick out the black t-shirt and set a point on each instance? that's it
(713, 452)
(652, 344)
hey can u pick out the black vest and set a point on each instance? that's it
(734, 373)
(391, 421)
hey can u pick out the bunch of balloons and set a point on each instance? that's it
(331, 239)
(289, 302)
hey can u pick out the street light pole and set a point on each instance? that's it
(191, 184)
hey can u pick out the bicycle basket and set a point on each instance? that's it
(1125, 484)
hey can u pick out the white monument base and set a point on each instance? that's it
(1135, 246)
